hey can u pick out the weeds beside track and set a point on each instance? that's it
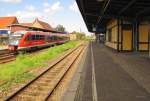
(44, 84)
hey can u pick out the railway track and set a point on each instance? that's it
(6, 56)
(43, 86)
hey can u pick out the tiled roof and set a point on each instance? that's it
(44, 25)
(26, 24)
(6, 21)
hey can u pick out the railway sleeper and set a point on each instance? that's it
(7, 57)
(8, 60)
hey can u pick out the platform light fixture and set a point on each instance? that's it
(99, 0)
(93, 28)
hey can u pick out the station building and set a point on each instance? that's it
(73, 36)
(120, 35)
(20, 26)
(125, 23)
(4, 29)
(9, 25)
(35, 25)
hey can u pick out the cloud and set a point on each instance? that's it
(11, 1)
(74, 7)
(46, 4)
(56, 6)
(52, 13)
(30, 8)
(29, 13)
(52, 8)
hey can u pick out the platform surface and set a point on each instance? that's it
(118, 76)
(3, 47)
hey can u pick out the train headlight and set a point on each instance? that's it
(26, 42)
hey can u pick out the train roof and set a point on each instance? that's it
(39, 32)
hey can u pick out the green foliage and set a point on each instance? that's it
(88, 38)
(80, 36)
(16, 80)
(24, 63)
(60, 28)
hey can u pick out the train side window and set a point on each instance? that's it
(33, 37)
(42, 37)
(29, 38)
(55, 38)
(58, 38)
(48, 38)
(37, 37)
(61, 38)
(51, 38)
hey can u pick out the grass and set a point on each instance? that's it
(19, 79)
(15, 71)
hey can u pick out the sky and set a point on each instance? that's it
(54, 12)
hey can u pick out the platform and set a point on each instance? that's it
(3, 47)
(111, 76)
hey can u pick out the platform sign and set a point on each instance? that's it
(3, 31)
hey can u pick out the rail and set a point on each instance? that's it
(56, 71)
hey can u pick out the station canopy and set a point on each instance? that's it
(97, 12)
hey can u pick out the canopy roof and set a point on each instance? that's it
(98, 12)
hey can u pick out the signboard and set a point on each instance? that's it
(4, 31)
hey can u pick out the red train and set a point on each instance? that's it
(27, 40)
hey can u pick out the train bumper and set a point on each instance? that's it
(22, 48)
(12, 47)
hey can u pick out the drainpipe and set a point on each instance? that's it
(135, 39)
(149, 39)
(118, 36)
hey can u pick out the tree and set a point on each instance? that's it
(79, 35)
(60, 28)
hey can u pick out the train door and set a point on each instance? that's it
(127, 37)
(28, 40)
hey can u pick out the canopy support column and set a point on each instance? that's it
(118, 35)
(149, 39)
(135, 35)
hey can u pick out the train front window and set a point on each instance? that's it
(15, 38)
